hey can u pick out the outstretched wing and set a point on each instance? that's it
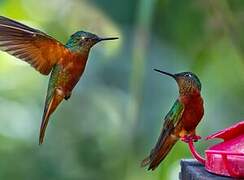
(166, 139)
(31, 45)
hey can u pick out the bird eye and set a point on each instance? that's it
(84, 38)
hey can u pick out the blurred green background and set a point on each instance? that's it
(114, 116)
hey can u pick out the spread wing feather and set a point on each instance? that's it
(31, 45)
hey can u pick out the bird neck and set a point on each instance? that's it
(194, 99)
(189, 91)
(73, 46)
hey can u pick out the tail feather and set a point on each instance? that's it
(50, 107)
(165, 142)
(158, 156)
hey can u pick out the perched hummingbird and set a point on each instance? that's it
(182, 119)
(65, 62)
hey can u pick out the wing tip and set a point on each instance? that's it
(145, 161)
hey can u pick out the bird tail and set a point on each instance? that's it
(50, 106)
(165, 143)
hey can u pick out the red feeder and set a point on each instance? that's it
(227, 157)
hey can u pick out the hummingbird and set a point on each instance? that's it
(66, 63)
(182, 119)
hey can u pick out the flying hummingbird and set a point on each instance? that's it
(65, 62)
(181, 120)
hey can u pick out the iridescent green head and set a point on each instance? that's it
(188, 82)
(83, 41)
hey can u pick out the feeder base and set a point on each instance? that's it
(193, 170)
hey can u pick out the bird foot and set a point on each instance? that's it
(195, 138)
(188, 138)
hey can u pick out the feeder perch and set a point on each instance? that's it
(227, 157)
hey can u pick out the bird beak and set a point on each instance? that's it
(166, 73)
(107, 39)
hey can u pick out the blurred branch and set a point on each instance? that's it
(141, 39)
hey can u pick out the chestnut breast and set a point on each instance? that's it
(193, 111)
(73, 66)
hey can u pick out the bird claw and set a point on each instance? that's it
(188, 138)
(185, 139)
(195, 138)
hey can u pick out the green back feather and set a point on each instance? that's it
(52, 83)
(175, 113)
(171, 119)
